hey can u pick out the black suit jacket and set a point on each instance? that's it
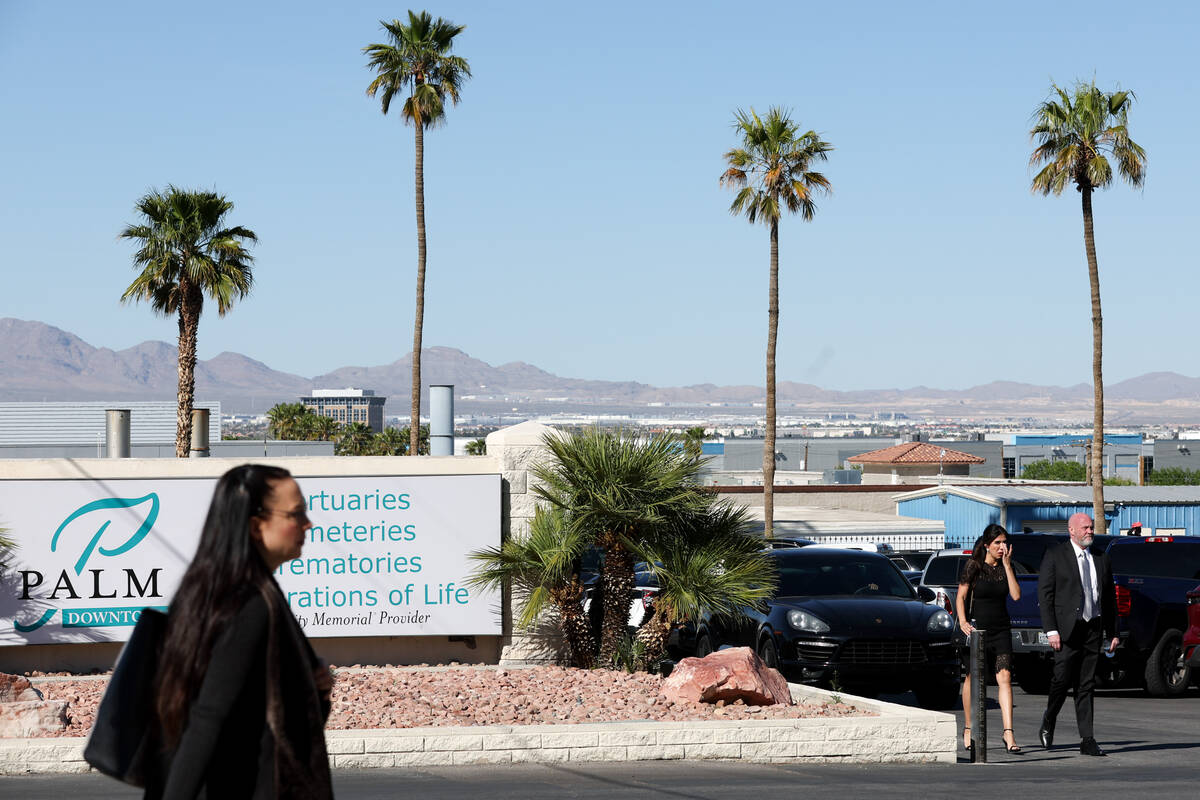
(1060, 591)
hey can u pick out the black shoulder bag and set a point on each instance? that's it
(122, 742)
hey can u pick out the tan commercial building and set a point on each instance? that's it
(348, 405)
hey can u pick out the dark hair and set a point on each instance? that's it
(225, 571)
(979, 552)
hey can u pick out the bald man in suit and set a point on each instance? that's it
(1079, 605)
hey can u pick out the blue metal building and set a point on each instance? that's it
(967, 510)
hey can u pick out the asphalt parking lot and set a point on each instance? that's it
(1153, 746)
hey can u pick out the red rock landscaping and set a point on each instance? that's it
(417, 697)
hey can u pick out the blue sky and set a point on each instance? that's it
(574, 214)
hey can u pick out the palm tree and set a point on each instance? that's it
(186, 253)
(616, 490)
(693, 439)
(541, 570)
(477, 447)
(286, 420)
(391, 442)
(1074, 133)
(354, 439)
(772, 171)
(325, 428)
(416, 64)
(706, 562)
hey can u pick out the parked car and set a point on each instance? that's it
(1191, 637)
(846, 618)
(941, 574)
(1152, 575)
(784, 542)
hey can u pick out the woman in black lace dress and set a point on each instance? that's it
(986, 582)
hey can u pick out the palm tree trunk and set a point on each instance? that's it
(769, 439)
(653, 636)
(1097, 450)
(414, 428)
(189, 322)
(581, 645)
(615, 584)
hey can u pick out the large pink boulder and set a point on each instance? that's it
(730, 675)
(16, 689)
(21, 720)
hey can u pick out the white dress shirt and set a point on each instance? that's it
(1091, 565)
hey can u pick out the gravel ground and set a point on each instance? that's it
(408, 697)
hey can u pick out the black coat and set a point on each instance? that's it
(1060, 591)
(256, 728)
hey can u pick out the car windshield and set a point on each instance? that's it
(873, 577)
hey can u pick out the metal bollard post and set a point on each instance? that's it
(978, 697)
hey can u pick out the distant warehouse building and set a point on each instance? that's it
(348, 405)
(967, 510)
(71, 425)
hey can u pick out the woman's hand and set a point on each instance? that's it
(1007, 556)
(967, 627)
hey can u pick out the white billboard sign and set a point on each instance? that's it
(386, 556)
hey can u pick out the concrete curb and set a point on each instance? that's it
(896, 734)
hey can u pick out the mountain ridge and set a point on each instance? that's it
(39, 361)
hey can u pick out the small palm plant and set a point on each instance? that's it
(705, 563)
(542, 571)
(615, 490)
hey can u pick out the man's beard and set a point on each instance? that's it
(1087, 540)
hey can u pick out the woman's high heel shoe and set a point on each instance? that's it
(1012, 748)
(969, 743)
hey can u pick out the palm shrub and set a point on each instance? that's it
(704, 562)
(616, 489)
(541, 569)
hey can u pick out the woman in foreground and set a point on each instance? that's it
(986, 581)
(241, 697)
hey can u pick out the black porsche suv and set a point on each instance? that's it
(848, 619)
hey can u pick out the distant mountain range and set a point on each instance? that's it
(41, 362)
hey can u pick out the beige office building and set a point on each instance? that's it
(348, 405)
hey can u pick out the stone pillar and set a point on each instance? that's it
(518, 448)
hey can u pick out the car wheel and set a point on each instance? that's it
(938, 695)
(1166, 674)
(768, 652)
(703, 645)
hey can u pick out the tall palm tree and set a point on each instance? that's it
(1075, 132)
(186, 253)
(540, 568)
(616, 490)
(417, 65)
(772, 171)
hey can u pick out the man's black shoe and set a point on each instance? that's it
(1089, 748)
(1046, 735)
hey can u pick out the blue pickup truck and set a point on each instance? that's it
(1152, 575)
